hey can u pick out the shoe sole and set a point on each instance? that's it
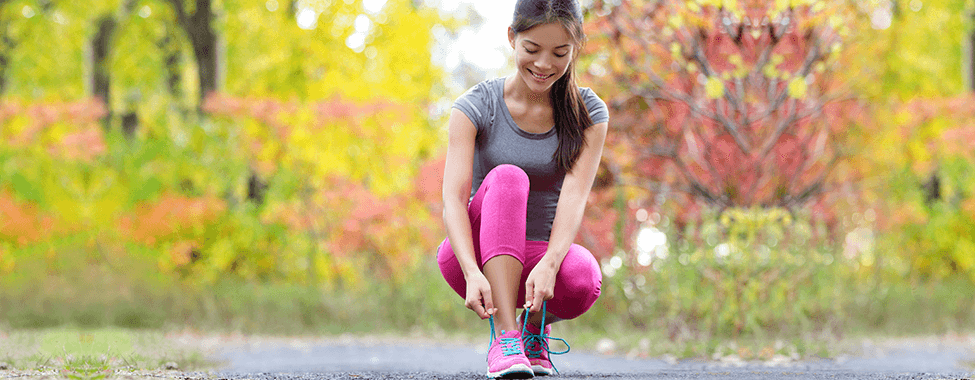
(517, 371)
(542, 371)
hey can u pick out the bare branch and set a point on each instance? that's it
(817, 186)
(791, 118)
(779, 130)
(697, 187)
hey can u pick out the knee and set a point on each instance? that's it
(510, 175)
(584, 278)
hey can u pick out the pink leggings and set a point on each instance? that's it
(497, 214)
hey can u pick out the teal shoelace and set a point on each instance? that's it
(540, 340)
(509, 346)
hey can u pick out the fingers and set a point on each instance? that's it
(535, 296)
(481, 302)
(478, 308)
(537, 299)
(488, 303)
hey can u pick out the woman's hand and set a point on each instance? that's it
(540, 286)
(479, 295)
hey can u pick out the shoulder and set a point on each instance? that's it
(478, 101)
(485, 90)
(598, 111)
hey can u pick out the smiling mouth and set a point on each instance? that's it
(539, 77)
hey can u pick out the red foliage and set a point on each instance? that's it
(705, 106)
(22, 223)
(83, 141)
(171, 217)
(83, 145)
(267, 111)
(959, 110)
(343, 215)
(428, 186)
(273, 112)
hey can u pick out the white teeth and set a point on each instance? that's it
(539, 76)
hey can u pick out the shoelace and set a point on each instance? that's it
(540, 339)
(509, 346)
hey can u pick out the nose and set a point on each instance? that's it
(543, 63)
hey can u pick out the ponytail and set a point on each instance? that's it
(571, 119)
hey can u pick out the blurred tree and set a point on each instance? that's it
(339, 102)
(196, 18)
(101, 48)
(7, 44)
(311, 116)
(908, 59)
(970, 53)
(169, 43)
(733, 103)
(53, 72)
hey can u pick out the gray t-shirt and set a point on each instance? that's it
(500, 141)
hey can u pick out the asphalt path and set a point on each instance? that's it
(353, 359)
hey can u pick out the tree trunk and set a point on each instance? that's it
(8, 46)
(205, 49)
(101, 79)
(970, 69)
(199, 29)
(170, 47)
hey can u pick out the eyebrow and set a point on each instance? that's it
(557, 47)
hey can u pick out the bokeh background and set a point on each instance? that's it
(779, 174)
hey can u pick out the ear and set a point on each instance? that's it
(511, 37)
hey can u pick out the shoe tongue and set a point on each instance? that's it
(532, 329)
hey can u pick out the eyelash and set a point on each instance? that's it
(536, 51)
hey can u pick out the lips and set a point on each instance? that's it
(540, 77)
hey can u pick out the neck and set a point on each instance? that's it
(516, 88)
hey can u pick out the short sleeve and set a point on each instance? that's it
(597, 108)
(475, 104)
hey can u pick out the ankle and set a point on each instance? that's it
(503, 328)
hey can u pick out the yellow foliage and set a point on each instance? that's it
(797, 88)
(714, 88)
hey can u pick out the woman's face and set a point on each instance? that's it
(542, 54)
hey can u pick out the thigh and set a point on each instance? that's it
(577, 285)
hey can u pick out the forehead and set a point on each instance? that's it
(550, 35)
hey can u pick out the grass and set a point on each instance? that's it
(77, 353)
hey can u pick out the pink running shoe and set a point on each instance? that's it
(536, 346)
(506, 358)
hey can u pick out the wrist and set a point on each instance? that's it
(468, 270)
(549, 260)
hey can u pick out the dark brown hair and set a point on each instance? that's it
(568, 109)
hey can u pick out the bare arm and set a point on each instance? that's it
(458, 173)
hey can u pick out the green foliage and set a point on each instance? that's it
(743, 273)
(918, 55)
(270, 56)
(938, 230)
(53, 72)
(178, 195)
(915, 155)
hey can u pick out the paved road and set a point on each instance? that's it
(404, 360)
